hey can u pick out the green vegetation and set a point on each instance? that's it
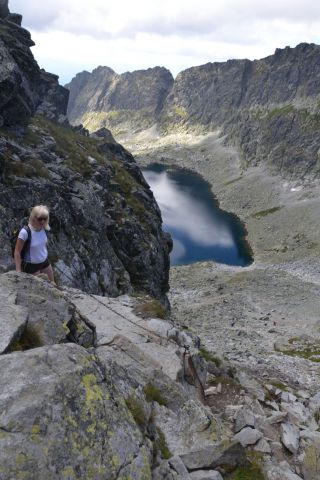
(31, 168)
(280, 386)
(137, 411)
(150, 309)
(301, 348)
(209, 357)
(29, 339)
(160, 445)
(31, 137)
(251, 471)
(153, 394)
(280, 111)
(180, 111)
(71, 146)
(264, 213)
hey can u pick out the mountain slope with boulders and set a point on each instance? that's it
(268, 108)
(106, 234)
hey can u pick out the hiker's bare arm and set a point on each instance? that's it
(17, 254)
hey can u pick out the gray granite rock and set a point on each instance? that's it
(290, 436)
(13, 319)
(214, 456)
(206, 475)
(244, 418)
(248, 436)
(311, 460)
(51, 317)
(60, 414)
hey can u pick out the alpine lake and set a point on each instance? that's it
(199, 228)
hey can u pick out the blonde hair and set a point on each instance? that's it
(37, 211)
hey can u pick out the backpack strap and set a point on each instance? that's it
(27, 243)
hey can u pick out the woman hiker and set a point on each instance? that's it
(31, 254)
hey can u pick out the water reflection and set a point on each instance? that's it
(200, 230)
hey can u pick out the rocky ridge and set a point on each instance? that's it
(106, 234)
(105, 98)
(268, 109)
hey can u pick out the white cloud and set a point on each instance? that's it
(73, 35)
(182, 212)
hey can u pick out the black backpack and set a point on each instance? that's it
(14, 238)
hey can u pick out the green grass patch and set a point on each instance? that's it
(153, 394)
(264, 213)
(150, 309)
(251, 471)
(160, 445)
(279, 111)
(31, 168)
(137, 411)
(210, 357)
(309, 351)
(180, 111)
(73, 147)
(280, 386)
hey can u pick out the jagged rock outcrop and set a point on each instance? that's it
(268, 108)
(106, 232)
(103, 98)
(23, 86)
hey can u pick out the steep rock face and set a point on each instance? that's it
(268, 108)
(104, 98)
(23, 86)
(211, 93)
(106, 232)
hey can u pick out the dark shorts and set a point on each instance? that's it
(34, 267)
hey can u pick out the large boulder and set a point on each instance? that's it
(63, 417)
(36, 313)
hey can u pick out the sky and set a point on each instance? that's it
(127, 35)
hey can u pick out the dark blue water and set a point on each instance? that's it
(190, 212)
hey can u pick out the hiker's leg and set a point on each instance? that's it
(49, 272)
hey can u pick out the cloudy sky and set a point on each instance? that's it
(126, 35)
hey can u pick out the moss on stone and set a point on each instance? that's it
(93, 392)
(30, 338)
(68, 473)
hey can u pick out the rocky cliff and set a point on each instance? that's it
(268, 108)
(105, 98)
(106, 232)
